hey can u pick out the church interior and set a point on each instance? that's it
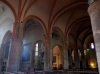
(49, 36)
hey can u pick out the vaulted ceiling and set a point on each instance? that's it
(69, 16)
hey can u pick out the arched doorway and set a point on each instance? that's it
(32, 38)
(57, 61)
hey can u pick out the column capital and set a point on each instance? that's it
(94, 7)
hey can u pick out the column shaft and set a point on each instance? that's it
(66, 63)
(65, 55)
(94, 12)
(76, 59)
(15, 48)
(47, 54)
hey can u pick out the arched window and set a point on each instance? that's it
(7, 46)
(92, 45)
(6, 53)
(36, 50)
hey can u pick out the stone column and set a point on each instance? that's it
(70, 60)
(83, 58)
(51, 52)
(66, 63)
(76, 59)
(15, 48)
(94, 12)
(65, 54)
(47, 54)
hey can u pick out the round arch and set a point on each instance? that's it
(37, 19)
(57, 32)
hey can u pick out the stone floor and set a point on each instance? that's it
(57, 72)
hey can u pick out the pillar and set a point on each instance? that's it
(70, 59)
(83, 58)
(65, 54)
(15, 48)
(47, 53)
(51, 52)
(94, 12)
(76, 59)
(66, 63)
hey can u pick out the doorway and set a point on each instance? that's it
(57, 58)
